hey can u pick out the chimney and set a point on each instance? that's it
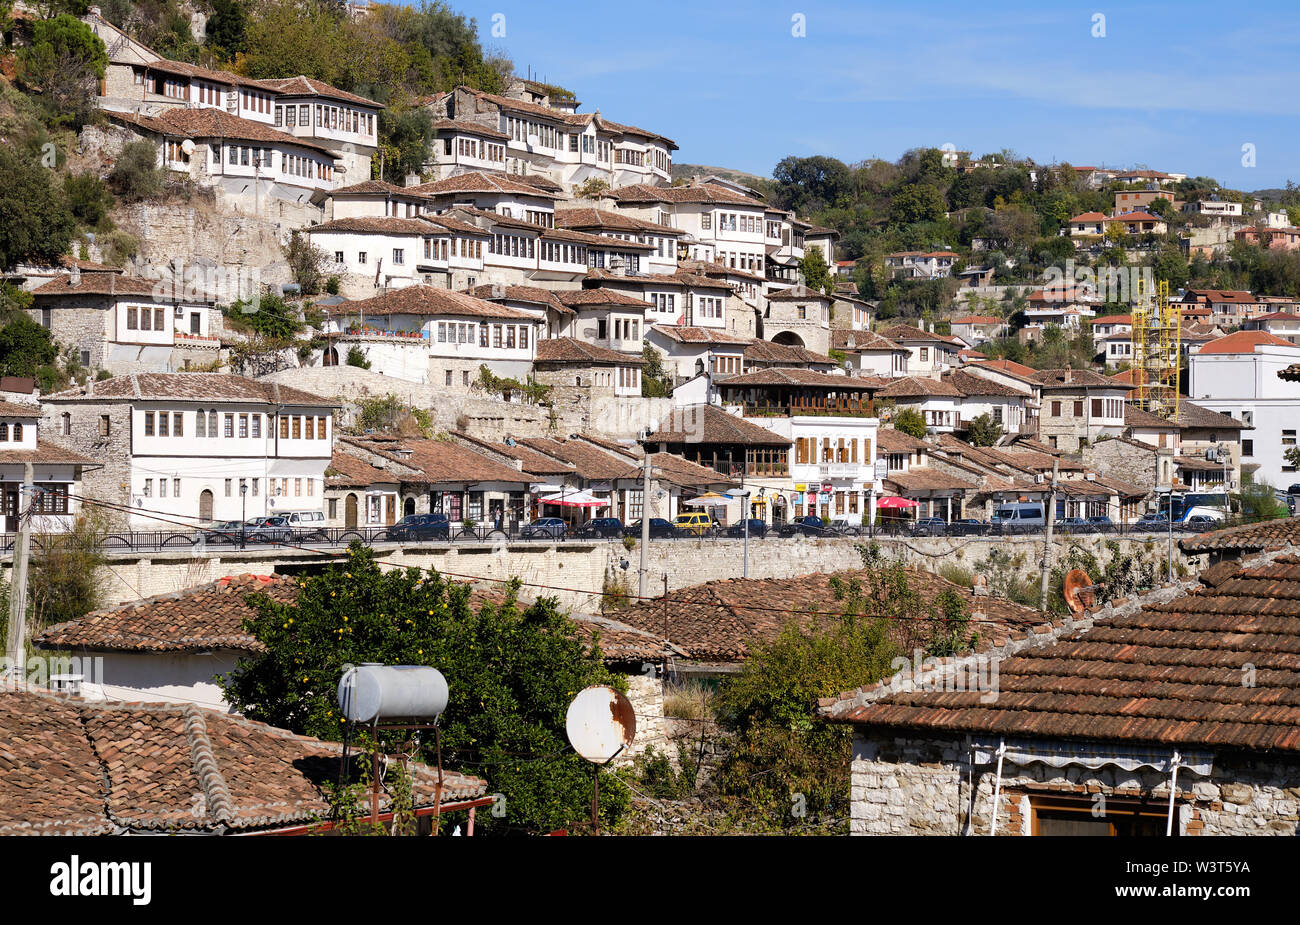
(74, 278)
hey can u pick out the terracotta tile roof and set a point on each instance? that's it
(572, 350)
(210, 122)
(658, 279)
(370, 186)
(191, 387)
(979, 319)
(704, 193)
(1112, 319)
(901, 333)
(924, 478)
(1137, 417)
(703, 423)
(782, 375)
(442, 462)
(1072, 379)
(863, 341)
(10, 409)
(535, 294)
(599, 296)
(209, 616)
(676, 470)
(919, 386)
(348, 471)
(620, 642)
(468, 128)
(720, 620)
(685, 334)
(309, 86)
(1166, 670)
(971, 384)
(589, 462)
(374, 224)
(109, 284)
(1007, 366)
(109, 768)
(1268, 534)
(891, 440)
(766, 353)
(587, 219)
(47, 451)
(479, 182)
(1242, 342)
(430, 300)
(531, 461)
(799, 294)
(1236, 296)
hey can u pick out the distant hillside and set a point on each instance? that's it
(686, 171)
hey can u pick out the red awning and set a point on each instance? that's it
(891, 501)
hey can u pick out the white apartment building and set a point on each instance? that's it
(374, 254)
(1239, 375)
(186, 449)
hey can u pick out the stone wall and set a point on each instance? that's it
(922, 786)
(1123, 459)
(112, 481)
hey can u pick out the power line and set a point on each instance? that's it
(663, 599)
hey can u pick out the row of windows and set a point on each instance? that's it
(627, 329)
(635, 158)
(332, 117)
(833, 450)
(455, 332)
(16, 429)
(249, 486)
(1101, 408)
(564, 253)
(512, 245)
(472, 147)
(709, 307)
(142, 318)
(664, 302)
(750, 262)
(732, 221)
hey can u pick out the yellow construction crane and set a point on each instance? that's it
(1157, 350)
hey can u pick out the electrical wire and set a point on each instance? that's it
(665, 599)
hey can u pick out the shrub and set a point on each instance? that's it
(136, 175)
(332, 285)
(89, 198)
(357, 357)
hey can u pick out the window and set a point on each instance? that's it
(1096, 408)
(212, 423)
(284, 427)
(449, 377)
(229, 483)
(925, 354)
(243, 426)
(132, 324)
(178, 424)
(1071, 815)
(1078, 408)
(148, 488)
(256, 482)
(162, 423)
(1056, 409)
(399, 256)
(105, 425)
(148, 423)
(1248, 448)
(229, 428)
(257, 430)
(297, 427)
(200, 427)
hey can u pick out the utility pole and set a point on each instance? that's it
(1047, 542)
(643, 571)
(16, 647)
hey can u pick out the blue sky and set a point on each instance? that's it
(1171, 86)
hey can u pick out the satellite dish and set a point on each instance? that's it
(1079, 591)
(187, 146)
(600, 723)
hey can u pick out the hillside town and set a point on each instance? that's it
(937, 497)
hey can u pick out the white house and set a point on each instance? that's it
(56, 473)
(1238, 375)
(870, 354)
(186, 449)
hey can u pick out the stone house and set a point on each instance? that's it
(359, 495)
(1077, 407)
(566, 363)
(186, 449)
(931, 353)
(1132, 719)
(691, 351)
(799, 317)
(56, 472)
(126, 324)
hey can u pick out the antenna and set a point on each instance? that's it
(600, 725)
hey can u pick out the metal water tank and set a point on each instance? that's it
(377, 693)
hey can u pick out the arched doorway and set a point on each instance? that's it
(350, 512)
(408, 507)
(788, 339)
(205, 506)
(330, 357)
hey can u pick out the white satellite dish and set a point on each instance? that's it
(187, 146)
(600, 723)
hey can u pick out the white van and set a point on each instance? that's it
(304, 521)
(1018, 518)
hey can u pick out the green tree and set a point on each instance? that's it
(511, 673)
(983, 432)
(25, 347)
(656, 382)
(227, 28)
(816, 273)
(136, 175)
(910, 421)
(66, 580)
(1258, 501)
(357, 357)
(36, 223)
(90, 199)
(404, 139)
(269, 315)
(307, 263)
(63, 64)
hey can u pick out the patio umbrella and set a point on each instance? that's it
(892, 502)
(709, 499)
(582, 498)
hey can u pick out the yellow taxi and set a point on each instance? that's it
(694, 524)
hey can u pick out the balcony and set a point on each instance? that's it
(831, 407)
(842, 470)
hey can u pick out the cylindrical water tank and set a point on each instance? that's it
(370, 693)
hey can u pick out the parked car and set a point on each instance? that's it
(1294, 489)
(659, 529)
(808, 525)
(227, 531)
(844, 528)
(1018, 518)
(268, 530)
(930, 526)
(601, 528)
(695, 524)
(420, 527)
(968, 526)
(551, 528)
(757, 528)
(1199, 523)
(1072, 524)
(1152, 522)
(1101, 524)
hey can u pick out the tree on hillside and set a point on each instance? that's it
(35, 221)
(511, 673)
(227, 29)
(909, 421)
(656, 382)
(307, 263)
(808, 184)
(136, 175)
(63, 65)
(816, 274)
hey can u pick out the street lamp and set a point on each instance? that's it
(243, 520)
